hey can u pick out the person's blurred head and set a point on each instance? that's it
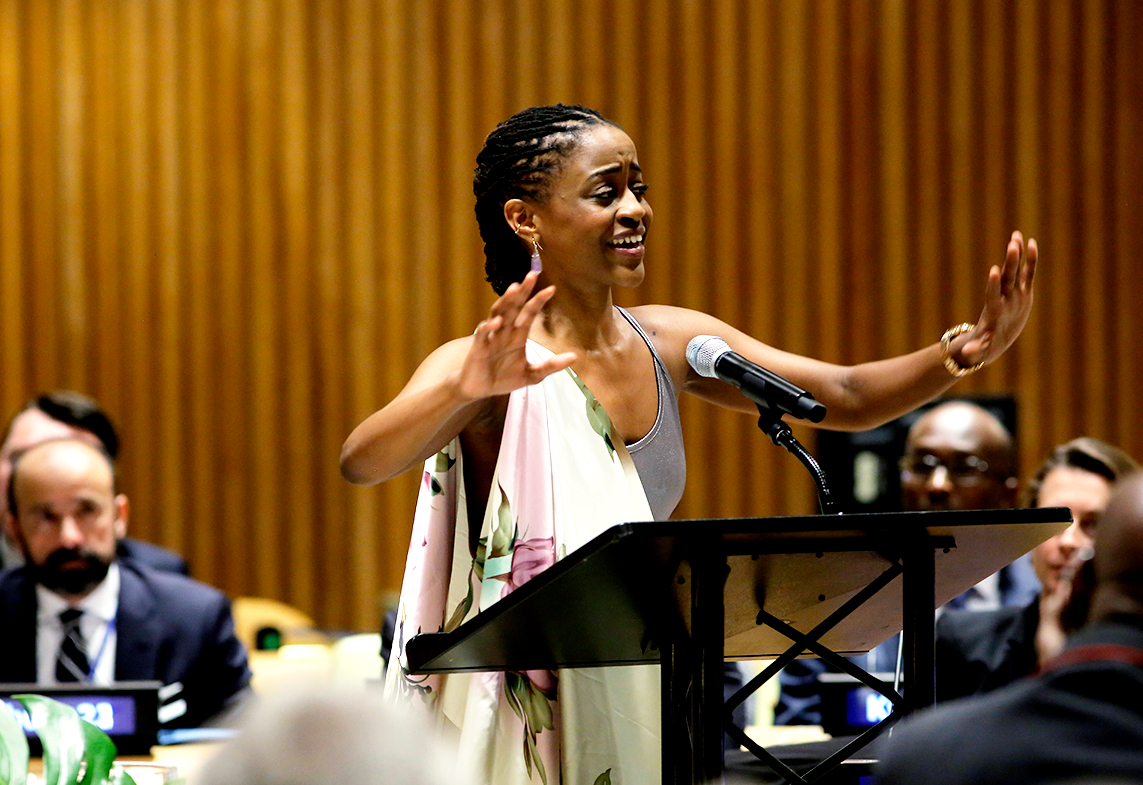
(518, 161)
(55, 415)
(310, 734)
(958, 456)
(65, 513)
(1118, 557)
(1078, 475)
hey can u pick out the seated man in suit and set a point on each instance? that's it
(77, 612)
(60, 414)
(979, 652)
(1080, 718)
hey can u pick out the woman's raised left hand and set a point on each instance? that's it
(1007, 303)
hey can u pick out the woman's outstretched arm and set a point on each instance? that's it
(865, 395)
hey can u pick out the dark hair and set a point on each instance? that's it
(79, 411)
(517, 162)
(1087, 454)
(19, 455)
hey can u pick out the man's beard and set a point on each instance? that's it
(73, 580)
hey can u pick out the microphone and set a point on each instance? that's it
(711, 356)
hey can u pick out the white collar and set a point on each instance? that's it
(102, 602)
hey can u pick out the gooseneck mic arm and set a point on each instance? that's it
(774, 396)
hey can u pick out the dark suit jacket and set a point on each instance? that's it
(1082, 720)
(169, 628)
(980, 651)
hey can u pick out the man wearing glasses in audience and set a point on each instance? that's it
(959, 456)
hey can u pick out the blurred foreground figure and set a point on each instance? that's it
(1082, 716)
(312, 735)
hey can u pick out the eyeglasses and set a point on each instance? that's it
(962, 468)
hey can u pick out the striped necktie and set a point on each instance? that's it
(71, 662)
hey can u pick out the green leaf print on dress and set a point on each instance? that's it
(442, 464)
(530, 694)
(600, 422)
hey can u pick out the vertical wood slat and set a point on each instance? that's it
(202, 435)
(106, 363)
(242, 223)
(329, 403)
(295, 281)
(962, 114)
(169, 291)
(894, 194)
(930, 236)
(1127, 23)
(1092, 190)
(1061, 224)
(39, 123)
(375, 52)
(231, 565)
(71, 103)
(14, 381)
(261, 306)
(1028, 152)
(137, 330)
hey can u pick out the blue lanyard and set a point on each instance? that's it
(102, 649)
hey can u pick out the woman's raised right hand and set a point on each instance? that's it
(496, 363)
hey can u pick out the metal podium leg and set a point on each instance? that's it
(692, 682)
(918, 635)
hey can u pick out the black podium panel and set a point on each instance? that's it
(615, 599)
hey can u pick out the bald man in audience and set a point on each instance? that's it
(1080, 717)
(959, 456)
(75, 612)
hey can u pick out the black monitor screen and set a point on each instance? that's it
(128, 712)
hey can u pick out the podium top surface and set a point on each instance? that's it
(613, 600)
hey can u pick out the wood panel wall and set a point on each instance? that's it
(240, 224)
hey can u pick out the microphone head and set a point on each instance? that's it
(703, 351)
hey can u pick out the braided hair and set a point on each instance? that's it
(517, 162)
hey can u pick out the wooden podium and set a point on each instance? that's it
(688, 593)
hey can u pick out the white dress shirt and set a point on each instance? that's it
(97, 625)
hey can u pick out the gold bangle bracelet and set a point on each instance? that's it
(951, 365)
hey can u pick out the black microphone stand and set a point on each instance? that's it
(770, 421)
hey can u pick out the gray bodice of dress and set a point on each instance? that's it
(659, 457)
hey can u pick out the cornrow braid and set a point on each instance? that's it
(517, 162)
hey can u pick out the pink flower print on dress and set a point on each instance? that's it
(529, 559)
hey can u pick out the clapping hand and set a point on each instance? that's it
(496, 363)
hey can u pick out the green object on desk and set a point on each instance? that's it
(71, 745)
(13, 749)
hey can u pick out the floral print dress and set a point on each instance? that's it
(560, 480)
